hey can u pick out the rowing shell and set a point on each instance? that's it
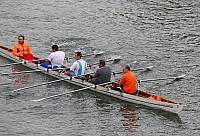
(142, 97)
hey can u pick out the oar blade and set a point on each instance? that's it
(38, 100)
(165, 78)
(180, 77)
(98, 53)
(149, 68)
(116, 59)
(95, 54)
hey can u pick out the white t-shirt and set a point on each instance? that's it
(57, 58)
(75, 67)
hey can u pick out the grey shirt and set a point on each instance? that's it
(103, 75)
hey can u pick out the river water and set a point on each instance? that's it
(161, 33)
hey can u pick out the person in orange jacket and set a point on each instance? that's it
(22, 49)
(128, 81)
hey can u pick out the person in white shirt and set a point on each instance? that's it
(78, 68)
(55, 59)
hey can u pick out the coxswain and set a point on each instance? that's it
(22, 49)
(55, 59)
(78, 68)
(102, 75)
(128, 81)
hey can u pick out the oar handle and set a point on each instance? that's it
(149, 68)
(64, 78)
(91, 86)
(156, 79)
(117, 59)
(22, 72)
(60, 94)
(23, 61)
(31, 71)
(5, 65)
(94, 53)
(16, 90)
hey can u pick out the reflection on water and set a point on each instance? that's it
(128, 114)
(163, 115)
(130, 117)
(19, 79)
(169, 116)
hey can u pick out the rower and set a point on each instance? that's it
(128, 81)
(78, 68)
(22, 49)
(102, 75)
(55, 59)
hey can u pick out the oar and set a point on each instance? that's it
(5, 83)
(21, 72)
(92, 86)
(22, 62)
(41, 99)
(149, 68)
(115, 60)
(32, 71)
(37, 70)
(165, 78)
(86, 55)
(94, 53)
(45, 83)
(16, 63)
(54, 81)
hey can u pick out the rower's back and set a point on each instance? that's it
(128, 81)
(57, 58)
(103, 74)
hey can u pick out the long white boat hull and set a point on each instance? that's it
(165, 104)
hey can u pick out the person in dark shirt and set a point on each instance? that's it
(102, 75)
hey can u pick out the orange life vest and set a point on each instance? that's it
(22, 49)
